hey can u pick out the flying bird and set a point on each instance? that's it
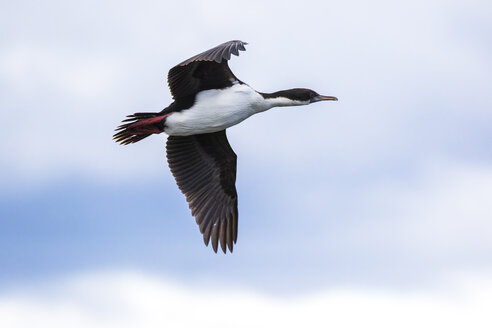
(208, 99)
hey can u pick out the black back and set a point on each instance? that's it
(207, 70)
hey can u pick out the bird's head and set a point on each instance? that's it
(306, 95)
(295, 97)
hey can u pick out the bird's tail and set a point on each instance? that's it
(139, 126)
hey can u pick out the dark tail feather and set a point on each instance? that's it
(139, 126)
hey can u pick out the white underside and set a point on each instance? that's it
(218, 109)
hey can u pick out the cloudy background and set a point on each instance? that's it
(376, 210)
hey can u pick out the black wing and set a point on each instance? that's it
(208, 70)
(204, 166)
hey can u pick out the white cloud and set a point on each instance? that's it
(122, 299)
(446, 211)
(29, 67)
(437, 218)
(453, 213)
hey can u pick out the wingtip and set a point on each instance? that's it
(216, 242)
(215, 246)
(240, 41)
(206, 240)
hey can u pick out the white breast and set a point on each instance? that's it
(216, 110)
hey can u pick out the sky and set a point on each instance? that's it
(374, 209)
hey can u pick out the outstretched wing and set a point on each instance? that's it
(204, 166)
(208, 70)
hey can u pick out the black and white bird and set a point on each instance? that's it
(208, 99)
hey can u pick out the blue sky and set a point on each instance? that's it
(386, 191)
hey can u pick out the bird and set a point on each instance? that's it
(208, 99)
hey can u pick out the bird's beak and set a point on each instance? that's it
(321, 98)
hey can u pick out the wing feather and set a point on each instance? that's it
(204, 167)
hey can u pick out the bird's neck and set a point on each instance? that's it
(280, 99)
